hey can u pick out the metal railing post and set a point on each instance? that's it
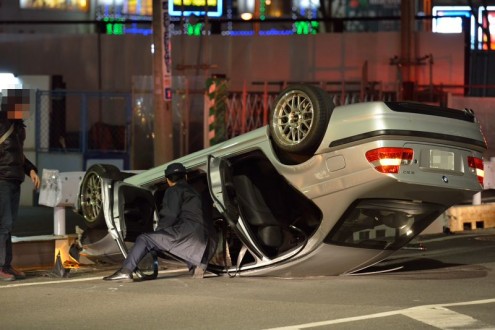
(83, 135)
(265, 103)
(244, 108)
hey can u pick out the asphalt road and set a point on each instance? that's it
(450, 285)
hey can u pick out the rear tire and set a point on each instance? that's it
(299, 119)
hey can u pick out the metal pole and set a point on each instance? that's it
(265, 103)
(59, 221)
(244, 108)
(406, 28)
(477, 199)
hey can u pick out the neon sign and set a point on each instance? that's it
(307, 27)
(211, 8)
(451, 20)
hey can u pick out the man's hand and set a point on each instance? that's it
(35, 178)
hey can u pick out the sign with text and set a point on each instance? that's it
(451, 18)
(167, 50)
(211, 8)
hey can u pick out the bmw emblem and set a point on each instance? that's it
(445, 179)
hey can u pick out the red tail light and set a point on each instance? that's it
(388, 160)
(476, 166)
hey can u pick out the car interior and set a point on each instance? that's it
(276, 216)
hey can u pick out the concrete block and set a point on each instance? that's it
(470, 217)
(39, 252)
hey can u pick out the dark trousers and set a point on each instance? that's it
(155, 241)
(145, 243)
(9, 206)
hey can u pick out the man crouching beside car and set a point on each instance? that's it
(181, 231)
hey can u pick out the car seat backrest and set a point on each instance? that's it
(256, 213)
(252, 204)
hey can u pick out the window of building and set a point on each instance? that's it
(75, 5)
(138, 7)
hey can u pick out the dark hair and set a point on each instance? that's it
(174, 177)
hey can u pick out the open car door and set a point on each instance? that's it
(223, 193)
(131, 214)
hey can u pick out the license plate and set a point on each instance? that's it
(441, 159)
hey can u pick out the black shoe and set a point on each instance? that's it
(139, 276)
(119, 276)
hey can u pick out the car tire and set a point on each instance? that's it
(299, 119)
(91, 202)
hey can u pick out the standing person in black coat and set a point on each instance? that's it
(181, 231)
(13, 167)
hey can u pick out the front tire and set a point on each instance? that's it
(91, 195)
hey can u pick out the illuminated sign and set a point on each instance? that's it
(307, 27)
(211, 8)
(482, 38)
(114, 26)
(451, 22)
(194, 29)
(77, 5)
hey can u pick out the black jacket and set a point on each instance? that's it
(13, 164)
(181, 219)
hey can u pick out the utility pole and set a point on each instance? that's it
(407, 43)
(407, 39)
(162, 83)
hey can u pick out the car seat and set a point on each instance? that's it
(256, 212)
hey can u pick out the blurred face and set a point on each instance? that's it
(20, 111)
(16, 103)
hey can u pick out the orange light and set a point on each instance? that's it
(388, 159)
(476, 166)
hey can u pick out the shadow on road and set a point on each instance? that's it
(446, 257)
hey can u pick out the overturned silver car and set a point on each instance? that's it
(321, 190)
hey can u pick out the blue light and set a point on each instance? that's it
(136, 30)
(250, 33)
(274, 32)
(241, 33)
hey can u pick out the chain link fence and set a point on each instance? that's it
(90, 123)
(82, 121)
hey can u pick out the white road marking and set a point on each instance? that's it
(443, 318)
(435, 315)
(16, 284)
